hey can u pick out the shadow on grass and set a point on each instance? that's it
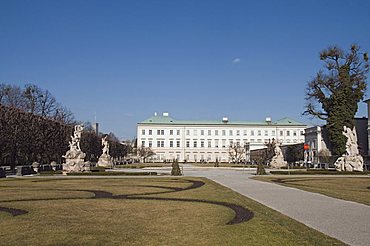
(241, 214)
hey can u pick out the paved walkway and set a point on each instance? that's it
(347, 221)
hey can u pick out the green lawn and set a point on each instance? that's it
(62, 212)
(355, 189)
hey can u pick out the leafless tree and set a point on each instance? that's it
(145, 152)
(236, 152)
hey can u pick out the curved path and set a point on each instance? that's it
(346, 221)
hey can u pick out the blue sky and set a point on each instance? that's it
(197, 59)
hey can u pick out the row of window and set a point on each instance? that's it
(202, 144)
(288, 133)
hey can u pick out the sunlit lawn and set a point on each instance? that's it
(355, 189)
(61, 213)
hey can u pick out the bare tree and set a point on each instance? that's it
(236, 152)
(145, 152)
(12, 96)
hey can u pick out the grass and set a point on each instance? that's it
(60, 213)
(355, 189)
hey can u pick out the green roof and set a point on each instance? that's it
(167, 120)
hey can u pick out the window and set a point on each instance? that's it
(273, 132)
(259, 133)
(259, 140)
(150, 132)
(216, 143)
(162, 143)
(158, 132)
(150, 144)
(195, 144)
(178, 132)
(209, 144)
(202, 144)
(266, 133)
(288, 133)
(295, 133)
(187, 144)
(178, 144)
(202, 132)
(223, 143)
(216, 132)
(252, 132)
(195, 132)
(252, 140)
(281, 133)
(230, 132)
(171, 132)
(245, 132)
(187, 132)
(162, 132)
(143, 143)
(158, 144)
(223, 132)
(171, 144)
(143, 132)
(237, 132)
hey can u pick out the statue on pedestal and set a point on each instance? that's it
(277, 160)
(351, 160)
(75, 158)
(105, 160)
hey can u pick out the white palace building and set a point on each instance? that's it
(193, 141)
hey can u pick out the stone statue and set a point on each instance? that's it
(105, 160)
(105, 143)
(277, 160)
(351, 160)
(75, 158)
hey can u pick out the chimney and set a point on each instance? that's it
(225, 119)
(165, 114)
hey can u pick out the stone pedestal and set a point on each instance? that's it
(350, 163)
(75, 162)
(278, 162)
(105, 161)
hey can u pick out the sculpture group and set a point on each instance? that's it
(351, 160)
(105, 160)
(277, 160)
(75, 157)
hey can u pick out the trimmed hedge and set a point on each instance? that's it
(318, 172)
(112, 174)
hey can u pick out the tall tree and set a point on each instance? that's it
(338, 91)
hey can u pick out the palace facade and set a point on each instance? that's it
(195, 141)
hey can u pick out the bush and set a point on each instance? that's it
(175, 169)
(261, 170)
